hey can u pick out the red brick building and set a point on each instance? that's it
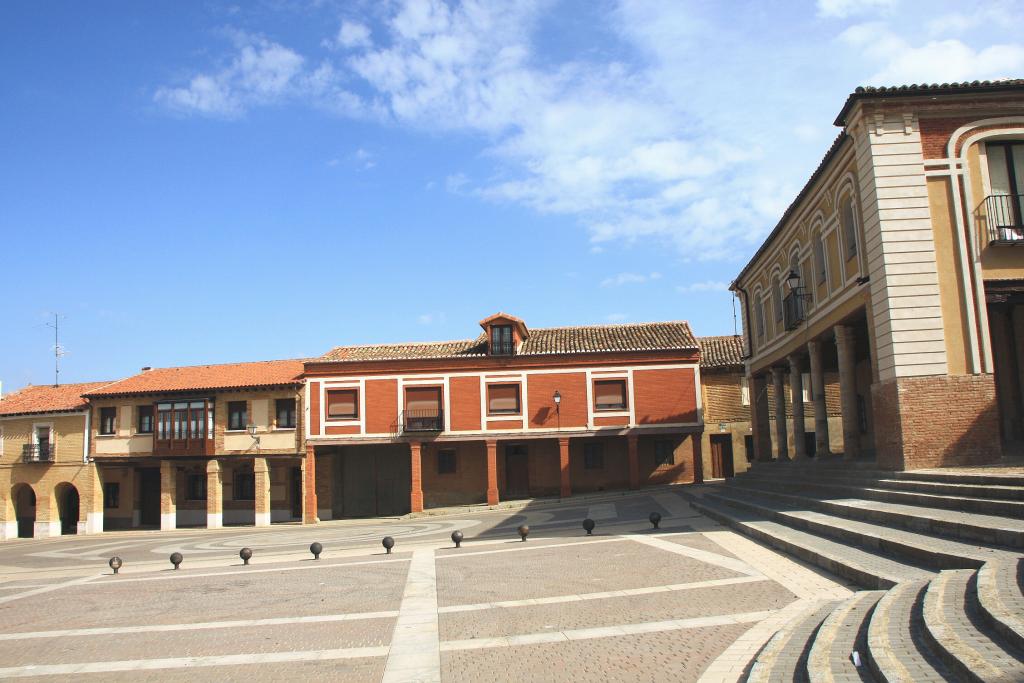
(512, 413)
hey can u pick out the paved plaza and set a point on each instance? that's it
(689, 601)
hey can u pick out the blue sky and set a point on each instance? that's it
(212, 182)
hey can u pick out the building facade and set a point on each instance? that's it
(896, 268)
(48, 484)
(512, 413)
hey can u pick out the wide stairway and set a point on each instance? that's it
(940, 554)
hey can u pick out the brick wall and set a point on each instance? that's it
(936, 421)
(466, 485)
(381, 406)
(572, 386)
(664, 396)
(465, 401)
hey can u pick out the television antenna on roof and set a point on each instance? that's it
(58, 350)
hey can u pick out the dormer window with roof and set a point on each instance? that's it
(504, 333)
(501, 340)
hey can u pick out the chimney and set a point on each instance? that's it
(146, 369)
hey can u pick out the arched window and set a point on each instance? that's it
(818, 246)
(759, 314)
(777, 298)
(848, 222)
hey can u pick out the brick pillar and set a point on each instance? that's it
(778, 384)
(563, 467)
(168, 496)
(261, 484)
(796, 393)
(214, 495)
(492, 472)
(93, 522)
(309, 486)
(416, 461)
(634, 461)
(760, 422)
(821, 446)
(1017, 321)
(47, 520)
(845, 345)
(698, 458)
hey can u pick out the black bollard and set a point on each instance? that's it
(388, 543)
(524, 531)
(655, 519)
(457, 538)
(588, 524)
(176, 560)
(316, 549)
(245, 554)
(115, 563)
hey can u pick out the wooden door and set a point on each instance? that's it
(296, 485)
(517, 472)
(360, 492)
(149, 497)
(721, 456)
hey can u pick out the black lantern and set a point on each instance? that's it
(557, 398)
(793, 281)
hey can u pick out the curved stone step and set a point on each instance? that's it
(863, 568)
(784, 657)
(937, 553)
(1000, 600)
(842, 633)
(955, 636)
(897, 650)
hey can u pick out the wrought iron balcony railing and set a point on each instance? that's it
(32, 452)
(793, 309)
(1005, 219)
(428, 420)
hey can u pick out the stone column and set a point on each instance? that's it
(760, 423)
(634, 461)
(309, 508)
(845, 345)
(796, 394)
(778, 384)
(821, 446)
(698, 458)
(565, 490)
(261, 486)
(416, 462)
(168, 496)
(214, 495)
(492, 472)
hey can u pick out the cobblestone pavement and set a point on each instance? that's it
(690, 600)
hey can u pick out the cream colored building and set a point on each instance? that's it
(48, 486)
(898, 267)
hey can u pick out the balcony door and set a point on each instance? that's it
(43, 443)
(1006, 177)
(423, 409)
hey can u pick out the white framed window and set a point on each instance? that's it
(848, 222)
(820, 268)
(744, 391)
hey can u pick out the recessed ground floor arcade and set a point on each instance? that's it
(387, 479)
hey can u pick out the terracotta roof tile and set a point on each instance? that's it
(205, 377)
(660, 336)
(928, 90)
(721, 352)
(46, 398)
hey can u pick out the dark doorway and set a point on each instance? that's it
(721, 456)
(810, 444)
(748, 446)
(376, 481)
(517, 472)
(296, 486)
(25, 510)
(149, 497)
(67, 508)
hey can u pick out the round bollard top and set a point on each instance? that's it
(655, 519)
(245, 553)
(316, 548)
(115, 563)
(524, 531)
(589, 525)
(176, 559)
(457, 537)
(388, 543)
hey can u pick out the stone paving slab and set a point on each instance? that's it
(633, 609)
(358, 670)
(700, 542)
(669, 656)
(549, 571)
(278, 638)
(106, 601)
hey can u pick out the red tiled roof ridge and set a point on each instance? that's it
(48, 398)
(179, 378)
(598, 326)
(411, 343)
(217, 365)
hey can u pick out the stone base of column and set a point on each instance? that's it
(908, 409)
(168, 521)
(46, 529)
(214, 520)
(93, 523)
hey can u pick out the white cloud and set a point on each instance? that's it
(629, 278)
(353, 34)
(431, 318)
(841, 9)
(455, 182)
(706, 286)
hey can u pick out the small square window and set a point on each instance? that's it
(446, 462)
(195, 486)
(664, 453)
(145, 423)
(245, 486)
(503, 399)
(238, 415)
(593, 456)
(108, 420)
(111, 495)
(610, 394)
(285, 413)
(343, 404)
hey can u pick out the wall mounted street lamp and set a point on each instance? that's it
(557, 398)
(252, 432)
(794, 305)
